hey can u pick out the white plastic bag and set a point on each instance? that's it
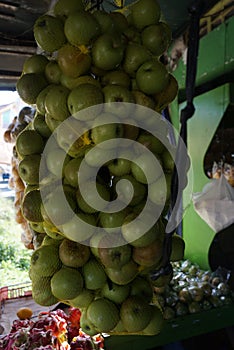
(215, 204)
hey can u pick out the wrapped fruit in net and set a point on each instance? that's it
(97, 162)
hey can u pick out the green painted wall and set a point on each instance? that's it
(216, 55)
(210, 108)
(215, 59)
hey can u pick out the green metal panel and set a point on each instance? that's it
(216, 55)
(210, 108)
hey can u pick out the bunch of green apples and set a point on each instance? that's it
(91, 60)
(118, 57)
(64, 270)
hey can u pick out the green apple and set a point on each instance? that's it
(66, 283)
(165, 97)
(52, 232)
(151, 142)
(146, 168)
(149, 255)
(29, 142)
(177, 249)
(54, 158)
(131, 130)
(119, 328)
(86, 325)
(54, 206)
(37, 226)
(94, 242)
(29, 85)
(132, 35)
(152, 77)
(73, 254)
(97, 156)
(72, 137)
(106, 126)
(120, 20)
(82, 97)
(137, 209)
(48, 33)
(28, 168)
(39, 261)
(142, 287)
(168, 159)
(53, 72)
(156, 38)
(35, 64)
(156, 322)
(112, 221)
(135, 313)
(116, 77)
(115, 292)
(63, 8)
(40, 125)
(145, 12)
(56, 102)
(40, 101)
(116, 94)
(130, 191)
(107, 52)
(119, 167)
(136, 229)
(105, 21)
(71, 171)
(123, 275)
(92, 200)
(51, 122)
(103, 314)
(81, 27)
(72, 61)
(47, 240)
(135, 56)
(94, 275)
(142, 100)
(160, 190)
(71, 83)
(82, 300)
(82, 230)
(112, 254)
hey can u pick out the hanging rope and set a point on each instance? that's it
(195, 12)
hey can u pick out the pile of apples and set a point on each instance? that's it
(91, 59)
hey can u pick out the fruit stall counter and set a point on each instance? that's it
(194, 303)
(180, 328)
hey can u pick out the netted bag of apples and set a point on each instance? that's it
(91, 258)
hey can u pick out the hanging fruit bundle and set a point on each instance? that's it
(97, 163)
